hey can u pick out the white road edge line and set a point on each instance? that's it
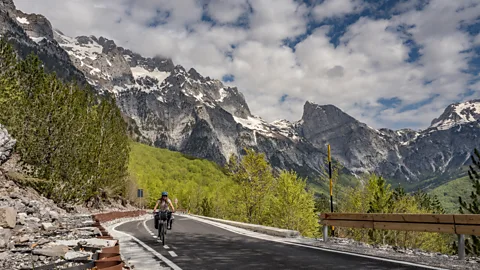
(165, 247)
(224, 226)
(158, 255)
(173, 254)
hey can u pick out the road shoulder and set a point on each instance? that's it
(137, 251)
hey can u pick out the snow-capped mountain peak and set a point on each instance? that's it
(458, 113)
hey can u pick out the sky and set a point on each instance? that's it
(388, 63)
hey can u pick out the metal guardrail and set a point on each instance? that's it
(453, 224)
(109, 257)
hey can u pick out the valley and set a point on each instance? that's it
(176, 108)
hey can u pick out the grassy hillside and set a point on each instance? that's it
(431, 182)
(448, 193)
(156, 170)
(248, 193)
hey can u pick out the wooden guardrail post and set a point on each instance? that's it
(461, 246)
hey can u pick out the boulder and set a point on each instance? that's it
(24, 238)
(53, 215)
(5, 235)
(53, 251)
(8, 217)
(22, 217)
(76, 254)
(7, 143)
(48, 226)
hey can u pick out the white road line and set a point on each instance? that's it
(173, 254)
(148, 229)
(278, 240)
(165, 247)
(158, 255)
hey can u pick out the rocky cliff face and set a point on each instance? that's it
(403, 155)
(33, 33)
(170, 107)
(354, 144)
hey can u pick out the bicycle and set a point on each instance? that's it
(161, 219)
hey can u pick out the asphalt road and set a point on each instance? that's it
(195, 245)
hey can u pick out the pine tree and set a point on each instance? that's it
(473, 207)
(429, 203)
(9, 95)
(72, 137)
(382, 202)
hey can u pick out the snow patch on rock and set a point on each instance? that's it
(22, 20)
(141, 72)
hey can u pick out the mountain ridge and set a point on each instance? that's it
(170, 107)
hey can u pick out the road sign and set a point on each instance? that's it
(140, 193)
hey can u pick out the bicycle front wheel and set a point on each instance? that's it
(163, 234)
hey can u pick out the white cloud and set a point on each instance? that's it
(275, 20)
(337, 8)
(368, 64)
(227, 11)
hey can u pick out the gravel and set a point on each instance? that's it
(42, 229)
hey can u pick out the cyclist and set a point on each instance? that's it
(165, 204)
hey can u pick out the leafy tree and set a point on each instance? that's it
(254, 175)
(472, 245)
(292, 206)
(376, 196)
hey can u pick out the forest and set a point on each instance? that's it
(74, 142)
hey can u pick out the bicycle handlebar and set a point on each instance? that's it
(166, 211)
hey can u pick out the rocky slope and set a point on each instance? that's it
(34, 231)
(170, 107)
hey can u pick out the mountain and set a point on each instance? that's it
(407, 156)
(33, 33)
(171, 107)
